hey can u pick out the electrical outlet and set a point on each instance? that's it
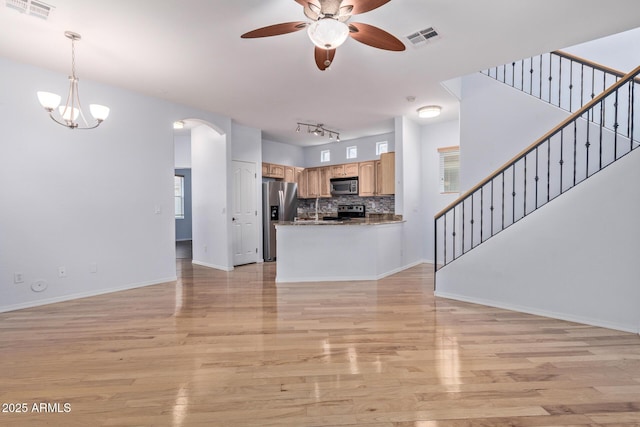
(18, 277)
(62, 272)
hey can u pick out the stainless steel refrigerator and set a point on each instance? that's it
(279, 203)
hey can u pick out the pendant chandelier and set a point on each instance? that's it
(68, 113)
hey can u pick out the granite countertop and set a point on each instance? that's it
(372, 219)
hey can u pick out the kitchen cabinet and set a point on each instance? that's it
(347, 170)
(387, 174)
(367, 179)
(276, 171)
(289, 174)
(301, 179)
(271, 170)
(325, 181)
(313, 183)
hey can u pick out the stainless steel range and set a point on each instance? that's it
(346, 212)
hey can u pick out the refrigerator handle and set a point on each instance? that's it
(281, 197)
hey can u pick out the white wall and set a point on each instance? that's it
(282, 154)
(496, 123)
(618, 51)
(366, 150)
(408, 191)
(182, 148)
(574, 259)
(432, 137)
(210, 208)
(98, 200)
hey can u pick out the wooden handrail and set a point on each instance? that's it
(588, 63)
(575, 116)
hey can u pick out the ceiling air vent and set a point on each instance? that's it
(422, 37)
(31, 7)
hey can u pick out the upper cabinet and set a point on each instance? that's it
(348, 170)
(375, 177)
(387, 171)
(271, 170)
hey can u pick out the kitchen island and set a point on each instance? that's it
(357, 249)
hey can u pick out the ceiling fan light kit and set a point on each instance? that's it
(328, 29)
(328, 33)
(429, 111)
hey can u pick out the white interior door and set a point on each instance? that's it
(245, 213)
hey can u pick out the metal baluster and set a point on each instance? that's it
(601, 126)
(550, 78)
(531, 76)
(540, 77)
(548, 169)
(575, 149)
(492, 209)
(587, 145)
(561, 158)
(632, 89)
(502, 201)
(582, 85)
(445, 240)
(453, 234)
(522, 75)
(560, 85)
(463, 225)
(524, 211)
(537, 177)
(513, 193)
(571, 85)
(481, 212)
(472, 221)
(615, 128)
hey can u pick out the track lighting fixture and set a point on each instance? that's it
(319, 130)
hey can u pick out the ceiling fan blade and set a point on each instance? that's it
(324, 57)
(362, 6)
(275, 30)
(375, 37)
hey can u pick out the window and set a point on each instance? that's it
(178, 181)
(352, 152)
(325, 156)
(382, 147)
(449, 169)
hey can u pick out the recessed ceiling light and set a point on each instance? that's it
(429, 111)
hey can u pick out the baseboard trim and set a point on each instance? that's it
(348, 278)
(538, 312)
(217, 267)
(81, 295)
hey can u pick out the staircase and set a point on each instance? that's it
(602, 128)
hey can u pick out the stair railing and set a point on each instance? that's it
(598, 134)
(559, 78)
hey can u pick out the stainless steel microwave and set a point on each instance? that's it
(340, 186)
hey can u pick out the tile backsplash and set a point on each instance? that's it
(329, 206)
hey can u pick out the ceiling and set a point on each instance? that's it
(190, 52)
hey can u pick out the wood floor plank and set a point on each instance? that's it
(234, 349)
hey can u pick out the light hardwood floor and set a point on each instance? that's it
(234, 349)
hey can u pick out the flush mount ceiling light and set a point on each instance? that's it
(429, 111)
(69, 112)
(319, 130)
(178, 125)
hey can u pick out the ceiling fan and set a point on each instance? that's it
(329, 28)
